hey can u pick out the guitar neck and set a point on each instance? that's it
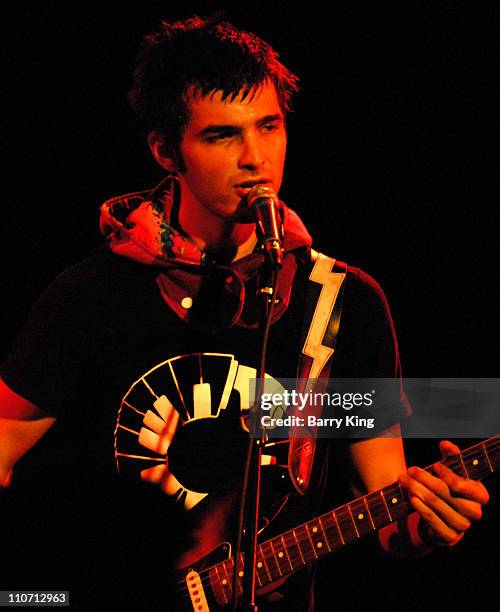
(305, 544)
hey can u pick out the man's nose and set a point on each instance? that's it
(252, 153)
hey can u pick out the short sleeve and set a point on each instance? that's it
(378, 353)
(370, 335)
(48, 357)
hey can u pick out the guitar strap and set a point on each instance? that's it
(323, 308)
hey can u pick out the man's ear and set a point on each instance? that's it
(160, 152)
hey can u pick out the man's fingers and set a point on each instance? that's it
(446, 502)
(434, 494)
(435, 484)
(448, 449)
(459, 487)
(443, 532)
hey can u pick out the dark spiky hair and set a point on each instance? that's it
(199, 56)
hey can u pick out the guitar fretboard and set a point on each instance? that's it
(298, 547)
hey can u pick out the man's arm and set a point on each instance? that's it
(22, 424)
(445, 504)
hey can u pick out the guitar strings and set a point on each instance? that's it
(456, 460)
(294, 557)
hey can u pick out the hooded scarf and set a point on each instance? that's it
(206, 295)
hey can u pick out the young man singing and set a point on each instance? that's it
(143, 352)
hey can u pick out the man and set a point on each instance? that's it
(143, 352)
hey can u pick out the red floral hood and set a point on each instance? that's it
(138, 226)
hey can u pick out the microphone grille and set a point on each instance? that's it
(261, 191)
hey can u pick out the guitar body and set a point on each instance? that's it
(195, 592)
(195, 582)
(213, 527)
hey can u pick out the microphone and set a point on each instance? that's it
(265, 204)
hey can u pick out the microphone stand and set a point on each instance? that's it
(248, 524)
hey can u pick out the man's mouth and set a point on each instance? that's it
(244, 187)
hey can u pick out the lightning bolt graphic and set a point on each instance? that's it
(331, 283)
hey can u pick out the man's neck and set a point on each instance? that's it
(225, 240)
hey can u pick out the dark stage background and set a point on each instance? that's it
(388, 166)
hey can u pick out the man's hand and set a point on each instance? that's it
(447, 503)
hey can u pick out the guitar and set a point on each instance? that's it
(205, 586)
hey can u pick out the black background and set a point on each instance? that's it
(389, 166)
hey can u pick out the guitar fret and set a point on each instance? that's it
(338, 527)
(227, 579)
(395, 500)
(402, 493)
(275, 557)
(369, 513)
(257, 568)
(463, 466)
(294, 551)
(229, 574)
(286, 552)
(271, 556)
(226, 575)
(298, 547)
(361, 516)
(308, 551)
(494, 453)
(324, 534)
(219, 583)
(316, 539)
(346, 524)
(310, 540)
(386, 506)
(290, 547)
(258, 577)
(332, 533)
(487, 456)
(263, 561)
(378, 509)
(241, 565)
(352, 519)
(475, 464)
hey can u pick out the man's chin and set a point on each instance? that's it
(246, 216)
(242, 213)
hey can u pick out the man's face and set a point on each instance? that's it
(227, 147)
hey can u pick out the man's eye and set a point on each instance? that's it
(269, 127)
(218, 137)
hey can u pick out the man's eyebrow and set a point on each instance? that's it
(270, 119)
(217, 129)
